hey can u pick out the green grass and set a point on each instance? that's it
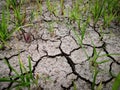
(97, 10)
(62, 7)
(51, 29)
(19, 18)
(11, 3)
(74, 86)
(49, 6)
(5, 33)
(39, 4)
(106, 10)
(116, 84)
(75, 12)
(22, 79)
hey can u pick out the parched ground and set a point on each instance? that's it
(58, 56)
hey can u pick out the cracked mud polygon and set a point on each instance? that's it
(59, 56)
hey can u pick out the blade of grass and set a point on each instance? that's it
(94, 78)
(116, 84)
(8, 64)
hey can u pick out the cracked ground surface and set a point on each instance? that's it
(58, 56)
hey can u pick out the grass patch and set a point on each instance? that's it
(22, 79)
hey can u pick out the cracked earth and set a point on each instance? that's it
(59, 56)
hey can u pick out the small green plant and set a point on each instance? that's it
(20, 22)
(51, 29)
(97, 8)
(116, 10)
(110, 11)
(95, 73)
(2, 46)
(95, 64)
(62, 7)
(106, 9)
(5, 33)
(32, 16)
(74, 86)
(75, 12)
(39, 5)
(12, 3)
(116, 84)
(51, 7)
(19, 18)
(24, 79)
(107, 18)
(100, 86)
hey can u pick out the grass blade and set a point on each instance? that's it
(116, 84)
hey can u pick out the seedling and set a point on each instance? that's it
(51, 7)
(97, 10)
(100, 86)
(32, 16)
(116, 10)
(74, 86)
(20, 21)
(107, 19)
(79, 40)
(39, 4)
(75, 13)
(22, 79)
(116, 84)
(5, 33)
(109, 14)
(51, 29)
(2, 46)
(20, 18)
(95, 65)
(96, 71)
(62, 6)
(12, 4)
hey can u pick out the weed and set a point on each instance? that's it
(12, 4)
(20, 21)
(105, 9)
(39, 4)
(74, 86)
(23, 80)
(107, 19)
(62, 7)
(100, 86)
(32, 16)
(20, 18)
(5, 33)
(75, 12)
(95, 65)
(51, 29)
(108, 15)
(96, 71)
(2, 47)
(116, 84)
(49, 6)
(97, 10)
